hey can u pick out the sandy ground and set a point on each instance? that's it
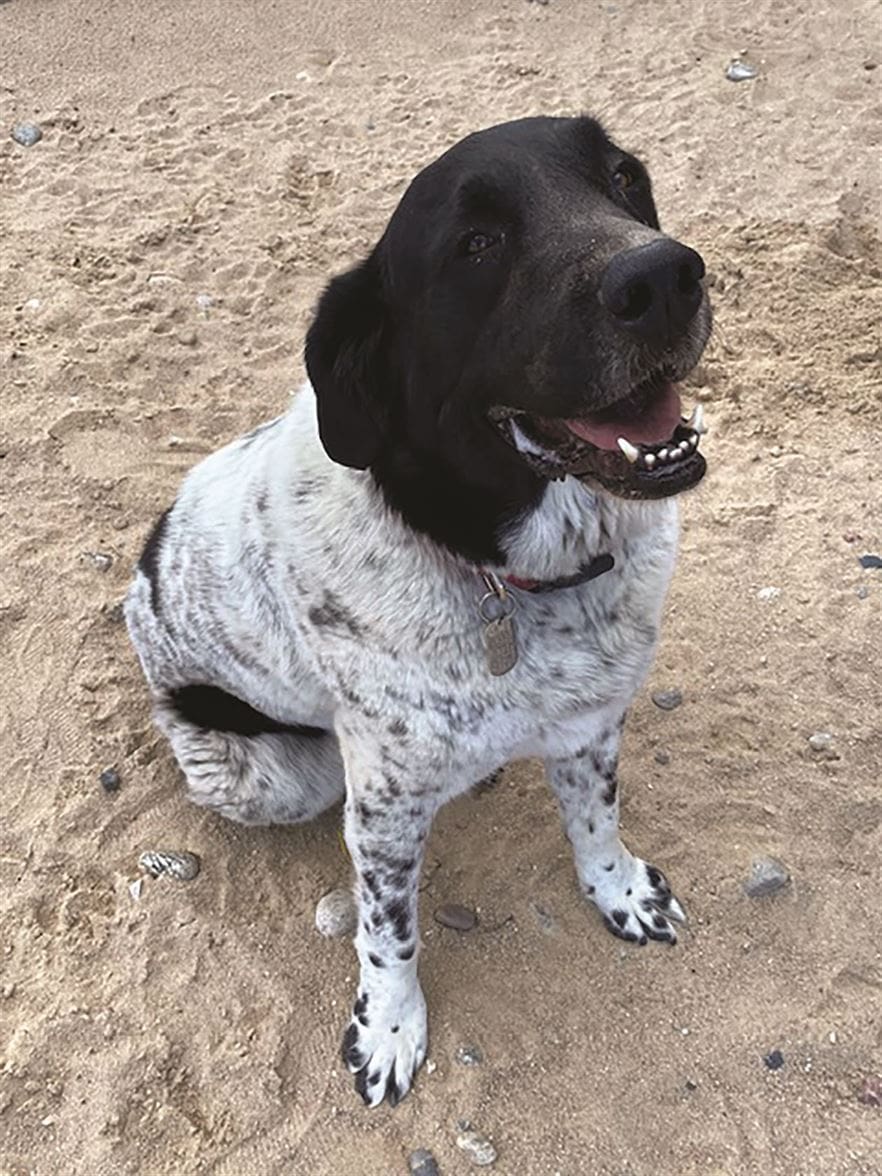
(246, 152)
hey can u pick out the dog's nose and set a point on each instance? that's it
(654, 291)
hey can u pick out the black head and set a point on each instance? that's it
(521, 313)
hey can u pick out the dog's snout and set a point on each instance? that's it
(654, 291)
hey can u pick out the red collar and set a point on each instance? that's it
(588, 571)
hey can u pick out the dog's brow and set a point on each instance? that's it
(481, 194)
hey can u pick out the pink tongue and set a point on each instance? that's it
(652, 426)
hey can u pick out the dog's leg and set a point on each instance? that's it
(387, 823)
(259, 780)
(634, 898)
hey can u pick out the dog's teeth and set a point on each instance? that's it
(695, 420)
(649, 460)
(630, 451)
(662, 455)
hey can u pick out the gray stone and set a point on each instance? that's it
(469, 1055)
(663, 757)
(767, 876)
(26, 134)
(740, 71)
(477, 1147)
(423, 1163)
(458, 918)
(667, 699)
(110, 780)
(820, 741)
(336, 914)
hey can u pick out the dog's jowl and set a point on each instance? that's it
(453, 549)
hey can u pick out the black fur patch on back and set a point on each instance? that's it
(213, 709)
(149, 561)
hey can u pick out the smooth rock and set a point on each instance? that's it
(870, 561)
(26, 134)
(667, 699)
(820, 741)
(477, 1147)
(423, 1163)
(110, 780)
(767, 876)
(336, 914)
(458, 918)
(663, 757)
(740, 71)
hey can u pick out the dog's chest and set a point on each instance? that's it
(415, 669)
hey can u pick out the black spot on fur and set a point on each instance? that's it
(397, 914)
(611, 866)
(376, 960)
(149, 561)
(406, 953)
(352, 1055)
(214, 709)
(612, 788)
(261, 502)
(333, 614)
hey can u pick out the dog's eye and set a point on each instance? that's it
(476, 242)
(623, 178)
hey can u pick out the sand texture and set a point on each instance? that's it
(204, 168)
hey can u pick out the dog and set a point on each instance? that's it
(452, 550)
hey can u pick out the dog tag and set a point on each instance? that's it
(500, 645)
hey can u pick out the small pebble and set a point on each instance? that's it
(667, 699)
(767, 876)
(768, 593)
(110, 780)
(862, 592)
(663, 757)
(740, 71)
(820, 741)
(870, 561)
(100, 559)
(690, 1085)
(423, 1163)
(469, 1055)
(870, 1093)
(477, 1147)
(205, 302)
(26, 134)
(336, 914)
(170, 863)
(774, 1060)
(544, 917)
(458, 918)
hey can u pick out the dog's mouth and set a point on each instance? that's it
(641, 446)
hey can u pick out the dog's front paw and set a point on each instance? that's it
(636, 901)
(385, 1045)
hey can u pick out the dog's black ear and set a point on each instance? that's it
(347, 358)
